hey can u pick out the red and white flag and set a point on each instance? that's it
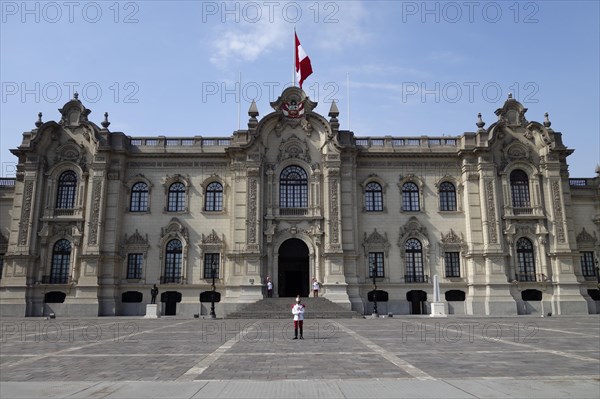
(303, 67)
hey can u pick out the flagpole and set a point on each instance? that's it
(348, 98)
(239, 98)
(294, 63)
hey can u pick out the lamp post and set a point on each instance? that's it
(213, 289)
(597, 273)
(374, 274)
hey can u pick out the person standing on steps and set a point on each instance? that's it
(315, 286)
(269, 287)
(298, 312)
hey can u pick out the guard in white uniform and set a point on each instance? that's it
(298, 312)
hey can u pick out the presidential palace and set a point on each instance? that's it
(94, 218)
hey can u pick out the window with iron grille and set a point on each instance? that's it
(139, 198)
(376, 262)
(587, 264)
(452, 262)
(447, 195)
(414, 261)
(173, 259)
(519, 188)
(211, 260)
(214, 197)
(525, 259)
(410, 197)
(293, 188)
(61, 261)
(373, 197)
(135, 263)
(67, 186)
(176, 201)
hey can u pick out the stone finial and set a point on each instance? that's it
(333, 110)
(39, 122)
(76, 95)
(598, 169)
(480, 123)
(547, 122)
(510, 96)
(253, 111)
(105, 124)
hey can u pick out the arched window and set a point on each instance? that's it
(410, 197)
(61, 262)
(173, 260)
(526, 260)
(139, 198)
(519, 188)
(373, 197)
(176, 201)
(414, 261)
(67, 186)
(447, 195)
(293, 188)
(214, 197)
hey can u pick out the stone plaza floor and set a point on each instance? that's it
(403, 356)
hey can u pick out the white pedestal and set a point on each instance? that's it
(152, 311)
(438, 309)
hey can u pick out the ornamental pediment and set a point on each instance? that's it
(585, 237)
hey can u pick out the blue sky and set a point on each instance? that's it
(415, 68)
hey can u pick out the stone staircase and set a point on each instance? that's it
(281, 308)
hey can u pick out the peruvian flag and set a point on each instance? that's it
(303, 67)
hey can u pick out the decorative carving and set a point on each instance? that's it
(451, 238)
(25, 213)
(558, 213)
(376, 242)
(512, 113)
(212, 238)
(96, 194)
(135, 243)
(293, 105)
(333, 215)
(412, 228)
(294, 148)
(136, 239)
(252, 210)
(584, 237)
(491, 205)
(173, 228)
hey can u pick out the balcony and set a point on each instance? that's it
(412, 278)
(56, 279)
(171, 279)
(531, 211)
(66, 213)
(293, 211)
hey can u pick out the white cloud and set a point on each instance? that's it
(247, 42)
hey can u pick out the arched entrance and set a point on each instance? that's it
(293, 267)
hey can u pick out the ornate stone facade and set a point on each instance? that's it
(100, 217)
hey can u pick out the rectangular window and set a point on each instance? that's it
(211, 261)
(135, 263)
(376, 262)
(452, 261)
(1, 265)
(587, 264)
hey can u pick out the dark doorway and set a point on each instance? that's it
(170, 298)
(417, 299)
(293, 269)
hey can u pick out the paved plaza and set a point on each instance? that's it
(403, 356)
